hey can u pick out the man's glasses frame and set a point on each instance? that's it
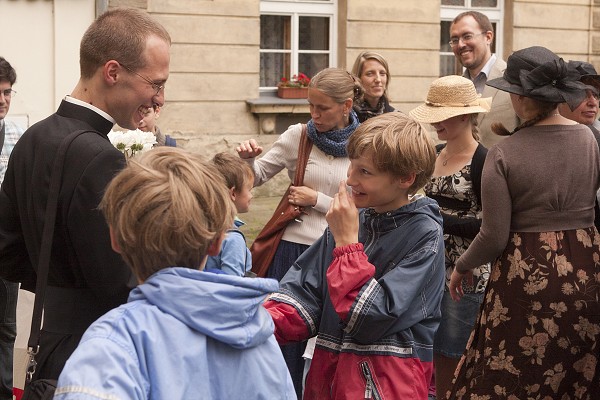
(154, 85)
(8, 93)
(467, 37)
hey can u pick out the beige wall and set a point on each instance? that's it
(567, 27)
(408, 39)
(214, 69)
(215, 53)
(409, 36)
(41, 42)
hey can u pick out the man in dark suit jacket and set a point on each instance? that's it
(124, 62)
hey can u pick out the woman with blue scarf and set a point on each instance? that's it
(331, 94)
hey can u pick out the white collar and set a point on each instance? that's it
(95, 109)
(488, 65)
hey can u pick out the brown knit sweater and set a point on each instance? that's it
(543, 178)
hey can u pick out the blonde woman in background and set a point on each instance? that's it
(374, 74)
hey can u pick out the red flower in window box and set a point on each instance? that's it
(295, 88)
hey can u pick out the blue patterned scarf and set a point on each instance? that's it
(333, 142)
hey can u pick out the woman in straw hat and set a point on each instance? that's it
(538, 331)
(452, 108)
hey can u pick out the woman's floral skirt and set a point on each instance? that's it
(538, 331)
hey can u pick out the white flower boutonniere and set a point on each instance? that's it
(131, 143)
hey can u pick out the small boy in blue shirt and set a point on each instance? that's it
(234, 258)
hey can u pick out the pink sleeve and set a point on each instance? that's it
(347, 274)
(289, 325)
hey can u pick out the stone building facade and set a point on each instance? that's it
(214, 93)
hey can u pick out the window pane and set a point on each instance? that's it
(484, 3)
(273, 66)
(448, 65)
(445, 37)
(453, 3)
(310, 64)
(495, 27)
(275, 32)
(313, 33)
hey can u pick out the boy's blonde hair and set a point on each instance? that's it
(235, 170)
(165, 208)
(399, 145)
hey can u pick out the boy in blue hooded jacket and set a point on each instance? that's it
(370, 288)
(184, 333)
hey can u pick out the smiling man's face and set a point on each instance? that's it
(473, 53)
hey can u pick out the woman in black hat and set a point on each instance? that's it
(538, 331)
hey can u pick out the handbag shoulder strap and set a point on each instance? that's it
(304, 148)
(46, 244)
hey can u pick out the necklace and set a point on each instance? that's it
(445, 162)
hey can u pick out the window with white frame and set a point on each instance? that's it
(296, 36)
(449, 10)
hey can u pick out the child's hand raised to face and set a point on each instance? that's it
(342, 218)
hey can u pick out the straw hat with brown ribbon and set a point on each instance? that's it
(448, 97)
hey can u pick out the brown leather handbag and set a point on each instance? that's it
(264, 246)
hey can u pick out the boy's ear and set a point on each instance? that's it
(232, 193)
(215, 247)
(113, 241)
(407, 180)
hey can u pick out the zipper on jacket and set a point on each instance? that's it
(370, 238)
(370, 388)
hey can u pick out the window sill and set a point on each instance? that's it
(268, 106)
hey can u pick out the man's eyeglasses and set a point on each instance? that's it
(156, 86)
(467, 37)
(8, 93)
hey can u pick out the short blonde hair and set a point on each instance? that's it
(236, 171)
(165, 208)
(399, 145)
(119, 34)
